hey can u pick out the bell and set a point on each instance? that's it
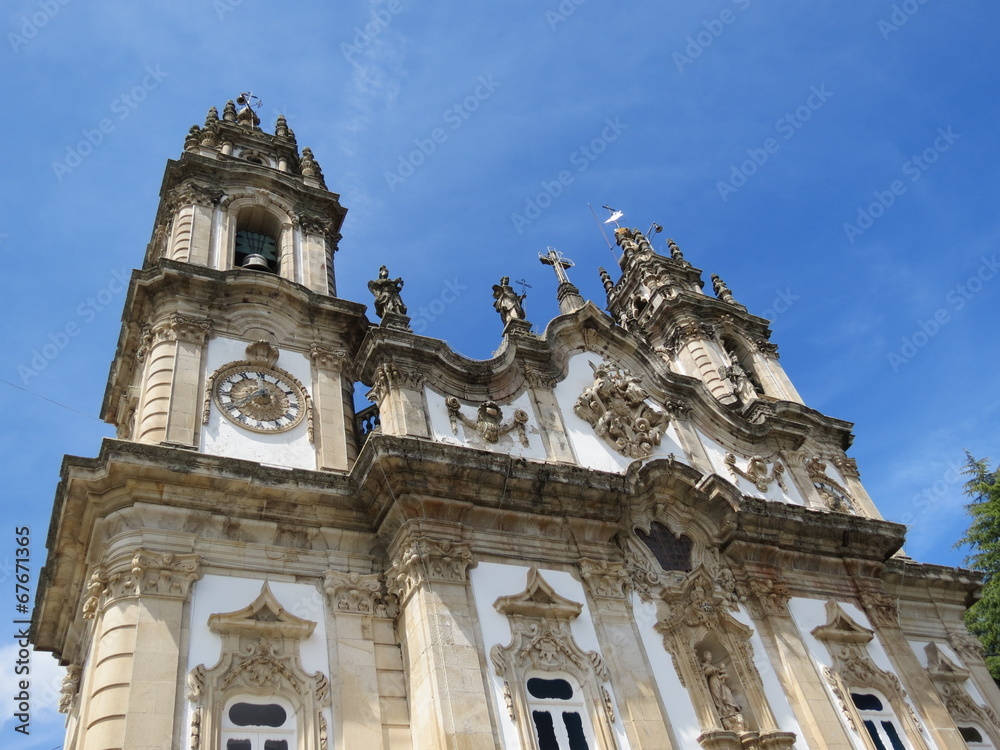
(256, 262)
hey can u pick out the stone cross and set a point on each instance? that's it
(555, 259)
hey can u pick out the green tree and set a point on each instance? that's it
(983, 538)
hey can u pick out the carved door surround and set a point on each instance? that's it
(260, 657)
(949, 680)
(542, 642)
(712, 654)
(853, 669)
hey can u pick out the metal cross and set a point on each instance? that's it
(555, 259)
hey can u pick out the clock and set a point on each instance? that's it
(256, 395)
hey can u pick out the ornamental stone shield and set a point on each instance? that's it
(615, 406)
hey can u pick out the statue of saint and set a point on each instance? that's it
(386, 291)
(507, 302)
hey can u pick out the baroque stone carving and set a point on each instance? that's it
(488, 422)
(606, 580)
(542, 641)
(834, 494)
(757, 472)
(70, 688)
(507, 302)
(615, 406)
(853, 668)
(259, 655)
(421, 559)
(353, 593)
(387, 293)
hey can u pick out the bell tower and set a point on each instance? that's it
(233, 340)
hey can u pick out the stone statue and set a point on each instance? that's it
(717, 676)
(507, 302)
(386, 291)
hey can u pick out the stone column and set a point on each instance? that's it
(446, 679)
(135, 665)
(353, 599)
(882, 613)
(767, 597)
(646, 722)
(332, 393)
(399, 393)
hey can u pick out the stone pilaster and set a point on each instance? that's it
(646, 722)
(550, 419)
(135, 662)
(767, 597)
(883, 614)
(399, 393)
(170, 405)
(353, 601)
(336, 446)
(438, 626)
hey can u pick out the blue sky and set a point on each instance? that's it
(835, 163)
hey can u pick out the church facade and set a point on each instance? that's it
(625, 533)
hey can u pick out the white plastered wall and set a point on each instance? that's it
(490, 581)
(592, 451)
(215, 594)
(220, 437)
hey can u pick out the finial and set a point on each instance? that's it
(212, 116)
(609, 285)
(281, 126)
(722, 291)
(675, 252)
(229, 111)
(507, 302)
(193, 138)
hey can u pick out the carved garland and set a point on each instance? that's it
(488, 422)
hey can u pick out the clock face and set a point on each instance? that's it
(259, 398)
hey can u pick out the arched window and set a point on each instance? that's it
(974, 738)
(671, 552)
(558, 713)
(258, 723)
(256, 243)
(879, 721)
